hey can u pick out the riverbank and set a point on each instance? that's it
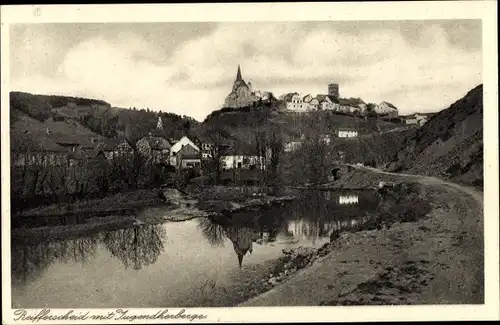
(112, 204)
(434, 258)
(125, 210)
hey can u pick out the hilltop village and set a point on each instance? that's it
(243, 94)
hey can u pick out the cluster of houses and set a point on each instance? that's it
(184, 153)
(332, 102)
(243, 94)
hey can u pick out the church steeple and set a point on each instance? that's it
(238, 74)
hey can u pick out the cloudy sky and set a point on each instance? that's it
(188, 68)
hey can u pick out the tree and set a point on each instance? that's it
(312, 160)
(218, 137)
(276, 148)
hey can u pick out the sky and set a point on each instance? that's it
(189, 68)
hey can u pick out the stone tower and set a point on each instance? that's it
(333, 90)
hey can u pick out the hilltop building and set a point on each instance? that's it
(386, 108)
(346, 133)
(416, 119)
(242, 94)
(333, 90)
(294, 102)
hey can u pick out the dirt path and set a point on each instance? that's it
(437, 260)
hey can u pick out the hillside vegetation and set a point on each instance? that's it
(242, 123)
(450, 144)
(73, 119)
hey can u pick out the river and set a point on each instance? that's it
(190, 263)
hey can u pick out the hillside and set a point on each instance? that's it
(450, 144)
(243, 123)
(72, 119)
(30, 133)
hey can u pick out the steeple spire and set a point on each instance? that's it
(238, 74)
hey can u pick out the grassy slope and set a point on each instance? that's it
(78, 119)
(67, 130)
(243, 124)
(450, 144)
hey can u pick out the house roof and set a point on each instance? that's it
(187, 150)
(45, 144)
(83, 154)
(288, 97)
(389, 104)
(414, 115)
(157, 143)
(322, 98)
(352, 101)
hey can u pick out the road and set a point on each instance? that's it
(436, 260)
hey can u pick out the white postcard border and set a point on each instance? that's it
(485, 10)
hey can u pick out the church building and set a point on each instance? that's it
(242, 94)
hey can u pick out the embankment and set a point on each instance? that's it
(435, 258)
(142, 207)
(113, 204)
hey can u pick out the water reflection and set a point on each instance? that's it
(315, 215)
(135, 247)
(29, 261)
(212, 231)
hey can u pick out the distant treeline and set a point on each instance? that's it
(99, 116)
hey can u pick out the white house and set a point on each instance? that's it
(295, 102)
(386, 108)
(242, 161)
(307, 98)
(416, 119)
(311, 103)
(176, 147)
(292, 146)
(325, 103)
(347, 133)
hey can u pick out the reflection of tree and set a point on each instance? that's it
(136, 247)
(242, 239)
(213, 232)
(28, 261)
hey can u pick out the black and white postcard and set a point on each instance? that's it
(160, 162)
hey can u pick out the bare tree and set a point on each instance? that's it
(219, 138)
